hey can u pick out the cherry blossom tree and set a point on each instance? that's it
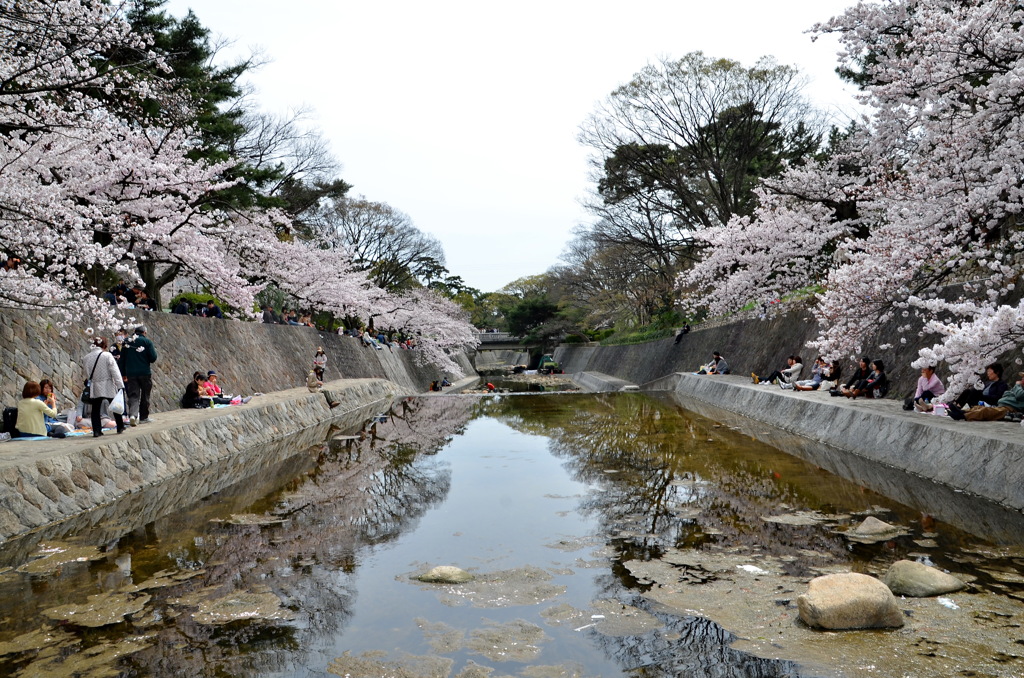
(89, 188)
(82, 186)
(442, 327)
(924, 231)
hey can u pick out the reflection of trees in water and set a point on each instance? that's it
(664, 484)
(366, 490)
(689, 646)
(695, 647)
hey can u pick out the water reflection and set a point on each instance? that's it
(672, 479)
(334, 502)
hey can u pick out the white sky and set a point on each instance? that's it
(464, 115)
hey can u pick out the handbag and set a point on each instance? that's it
(87, 391)
(117, 404)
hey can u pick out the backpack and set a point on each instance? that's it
(10, 420)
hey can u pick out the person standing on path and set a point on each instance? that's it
(137, 355)
(320, 363)
(104, 383)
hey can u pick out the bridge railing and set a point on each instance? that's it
(497, 338)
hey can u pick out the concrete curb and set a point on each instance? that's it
(984, 459)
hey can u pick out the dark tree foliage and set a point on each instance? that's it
(529, 314)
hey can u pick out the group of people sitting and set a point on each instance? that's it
(103, 400)
(287, 317)
(991, 399)
(390, 340)
(208, 310)
(123, 296)
(868, 379)
(204, 391)
(37, 413)
(440, 385)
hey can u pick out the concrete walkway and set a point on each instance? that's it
(982, 458)
(17, 452)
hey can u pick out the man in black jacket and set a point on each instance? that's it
(137, 355)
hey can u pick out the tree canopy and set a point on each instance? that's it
(915, 221)
(123, 154)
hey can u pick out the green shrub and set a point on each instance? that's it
(600, 335)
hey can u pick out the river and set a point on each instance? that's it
(608, 535)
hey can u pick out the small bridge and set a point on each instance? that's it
(500, 341)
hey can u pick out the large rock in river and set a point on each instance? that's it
(909, 578)
(446, 574)
(849, 601)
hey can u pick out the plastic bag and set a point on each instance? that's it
(117, 404)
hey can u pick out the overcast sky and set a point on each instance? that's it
(464, 115)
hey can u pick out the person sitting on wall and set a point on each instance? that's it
(269, 316)
(684, 330)
(115, 292)
(929, 386)
(181, 308)
(31, 412)
(212, 310)
(144, 301)
(312, 383)
(990, 392)
(1009, 407)
(195, 394)
(787, 375)
(211, 386)
(82, 416)
(819, 372)
(862, 372)
(875, 386)
(716, 366)
(54, 427)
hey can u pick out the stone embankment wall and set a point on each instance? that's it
(748, 345)
(490, 360)
(984, 459)
(248, 357)
(42, 483)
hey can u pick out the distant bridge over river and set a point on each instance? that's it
(501, 341)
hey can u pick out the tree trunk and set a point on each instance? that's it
(153, 283)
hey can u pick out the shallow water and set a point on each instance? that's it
(551, 501)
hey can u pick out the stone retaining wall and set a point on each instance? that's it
(249, 357)
(49, 481)
(985, 459)
(749, 344)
